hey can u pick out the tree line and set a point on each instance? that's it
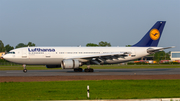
(102, 44)
(8, 47)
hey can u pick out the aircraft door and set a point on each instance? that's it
(24, 53)
(47, 54)
(101, 51)
(133, 53)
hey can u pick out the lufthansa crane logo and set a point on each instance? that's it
(154, 34)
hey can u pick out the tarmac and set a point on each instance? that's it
(97, 72)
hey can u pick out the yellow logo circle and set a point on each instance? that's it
(154, 34)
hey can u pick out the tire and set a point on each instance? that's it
(75, 70)
(86, 70)
(80, 70)
(24, 70)
(91, 70)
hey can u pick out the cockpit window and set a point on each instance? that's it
(11, 53)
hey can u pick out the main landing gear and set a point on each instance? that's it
(88, 69)
(24, 70)
(78, 70)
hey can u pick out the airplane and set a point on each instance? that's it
(74, 57)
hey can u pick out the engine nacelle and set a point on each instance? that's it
(53, 66)
(70, 64)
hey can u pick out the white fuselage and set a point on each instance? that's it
(55, 55)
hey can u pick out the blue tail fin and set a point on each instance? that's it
(152, 37)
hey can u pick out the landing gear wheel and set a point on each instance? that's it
(75, 70)
(88, 70)
(91, 70)
(24, 70)
(78, 70)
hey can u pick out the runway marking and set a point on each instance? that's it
(13, 72)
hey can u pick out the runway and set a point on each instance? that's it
(98, 74)
(70, 72)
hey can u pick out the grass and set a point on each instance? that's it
(41, 67)
(77, 90)
(20, 67)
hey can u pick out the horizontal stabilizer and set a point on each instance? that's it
(151, 50)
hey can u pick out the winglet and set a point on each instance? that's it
(152, 37)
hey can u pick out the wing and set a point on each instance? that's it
(99, 58)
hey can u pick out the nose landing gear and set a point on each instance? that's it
(24, 70)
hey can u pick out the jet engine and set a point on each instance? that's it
(70, 64)
(53, 66)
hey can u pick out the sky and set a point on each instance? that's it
(78, 22)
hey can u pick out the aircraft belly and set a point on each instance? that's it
(35, 61)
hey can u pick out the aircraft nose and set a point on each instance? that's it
(3, 56)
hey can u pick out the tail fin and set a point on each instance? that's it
(152, 37)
